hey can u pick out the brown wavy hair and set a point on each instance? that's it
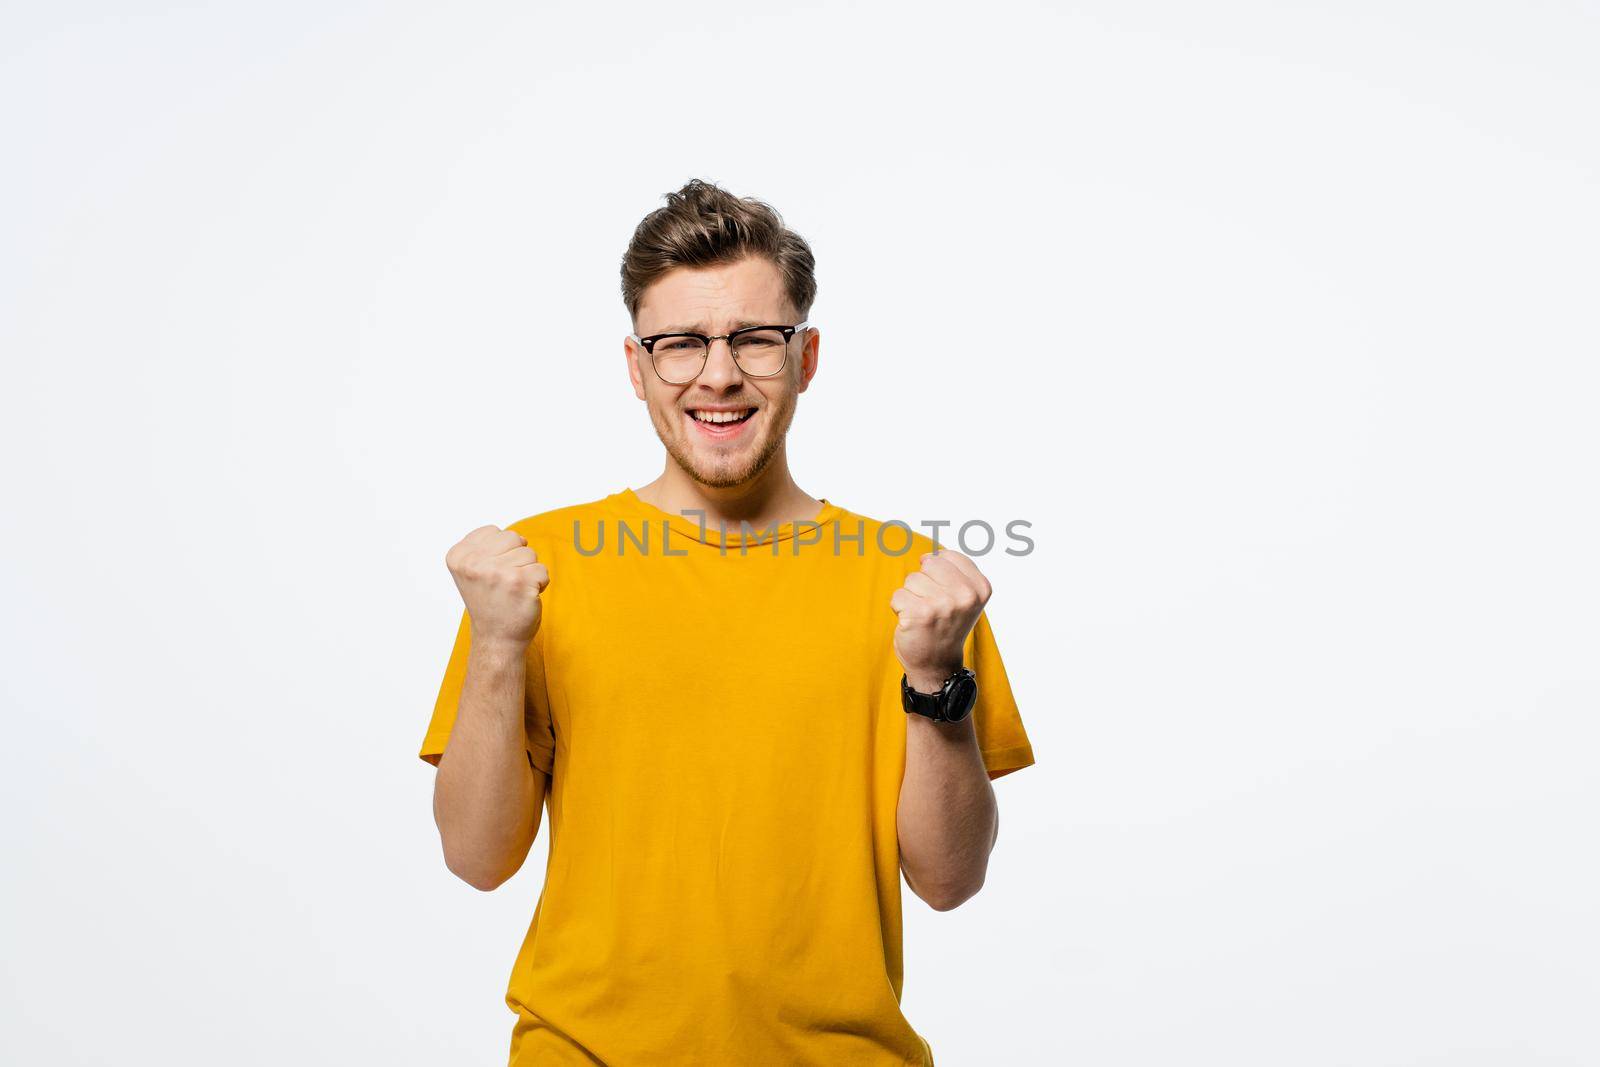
(705, 226)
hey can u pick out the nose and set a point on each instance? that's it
(721, 369)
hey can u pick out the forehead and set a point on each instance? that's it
(714, 299)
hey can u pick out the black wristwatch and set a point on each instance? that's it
(952, 703)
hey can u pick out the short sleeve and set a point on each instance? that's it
(541, 742)
(1001, 737)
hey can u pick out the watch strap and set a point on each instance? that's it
(935, 706)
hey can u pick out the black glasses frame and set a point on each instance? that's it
(649, 345)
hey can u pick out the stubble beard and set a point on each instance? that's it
(734, 471)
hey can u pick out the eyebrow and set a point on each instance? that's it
(700, 328)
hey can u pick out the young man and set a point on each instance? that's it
(747, 708)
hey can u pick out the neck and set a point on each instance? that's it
(770, 497)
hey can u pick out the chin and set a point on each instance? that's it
(725, 472)
(720, 468)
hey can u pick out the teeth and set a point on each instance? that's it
(722, 416)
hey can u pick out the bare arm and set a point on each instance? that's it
(488, 796)
(947, 818)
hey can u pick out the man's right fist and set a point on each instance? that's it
(500, 579)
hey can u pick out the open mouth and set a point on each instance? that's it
(716, 423)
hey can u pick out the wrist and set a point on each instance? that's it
(930, 679)
(499, 646)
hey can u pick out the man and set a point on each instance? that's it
(747, 708)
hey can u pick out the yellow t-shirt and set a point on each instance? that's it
(722, 727)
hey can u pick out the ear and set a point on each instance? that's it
(808, 357)
(635, 375)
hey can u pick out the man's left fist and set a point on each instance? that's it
(937, 606)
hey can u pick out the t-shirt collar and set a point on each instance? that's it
(689, 526)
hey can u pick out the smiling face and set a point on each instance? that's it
(691, 419)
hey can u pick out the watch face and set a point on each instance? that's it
(963, 695)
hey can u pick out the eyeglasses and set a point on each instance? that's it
(760, 351)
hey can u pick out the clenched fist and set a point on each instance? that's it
(500, 579)
(937, 606)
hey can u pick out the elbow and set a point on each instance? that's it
(483, 885)
(951, 897)
(952, 901)
(948, 893)
(483, 860)
(477, 877)
(482, 866)
(469, 865)
(480, 869)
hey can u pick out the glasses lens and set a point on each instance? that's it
(761, 352)
(679, 358)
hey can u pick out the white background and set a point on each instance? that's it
(1277, 321)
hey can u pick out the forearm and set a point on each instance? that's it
(487, 796)
(947, 816)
